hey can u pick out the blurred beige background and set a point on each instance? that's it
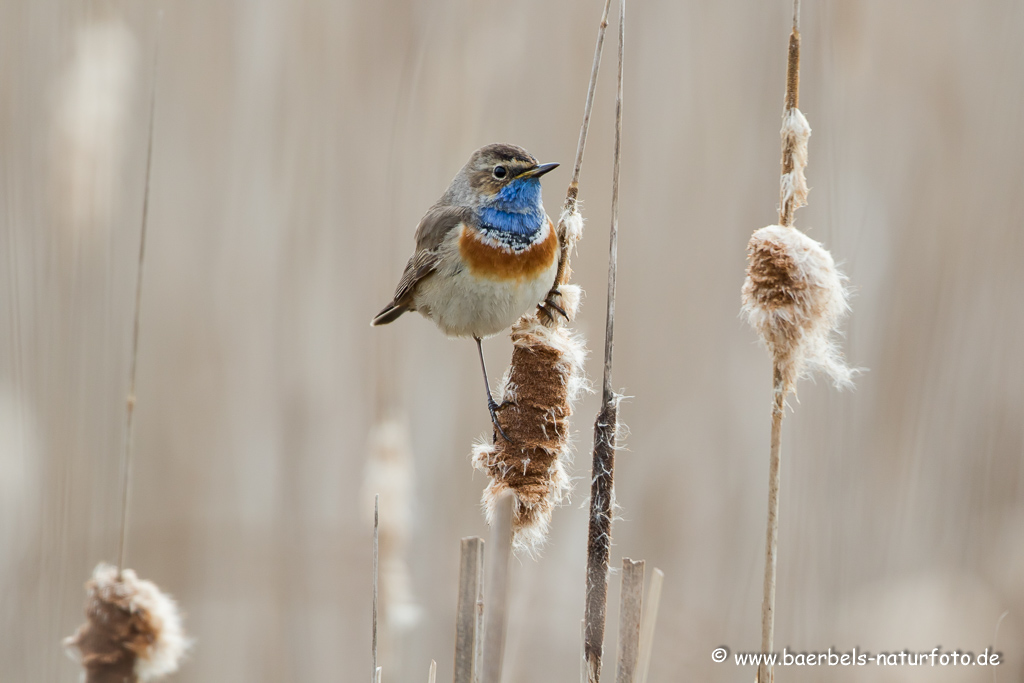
(296, 146)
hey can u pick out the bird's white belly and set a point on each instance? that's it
(464, 305)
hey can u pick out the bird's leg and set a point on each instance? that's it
(491, 405)
(549, 302)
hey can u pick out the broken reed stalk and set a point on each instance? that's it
(469, 613)
(126, 462)
(630, 615)
(602, 494)
(432, 673)
(496, 590)
(543, 381)
(376, 541)
(650, 620)
(794, 298)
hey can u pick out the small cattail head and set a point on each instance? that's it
(795, 298)
(537, 398)
(793, 190)
(130, 627)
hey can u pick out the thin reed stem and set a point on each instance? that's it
(376, 578)
(572, 193)
(432, 673)
(613, 239)
(126, 461)
(605, 428)
(772, 534)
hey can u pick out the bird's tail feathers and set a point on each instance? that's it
(390, 313)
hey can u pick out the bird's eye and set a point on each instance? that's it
(500, 172)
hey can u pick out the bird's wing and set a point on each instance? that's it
(430, 234)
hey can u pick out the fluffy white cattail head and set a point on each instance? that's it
(130, 623)
(537, 397)
(795, 298)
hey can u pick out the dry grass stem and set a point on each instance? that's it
(543, 382)
(630, 616)
(132, 630)
(126, 463)
(570, 222)
(496, 589)
(605, 430)
(469, 614)
(376, 582)
(650, 621)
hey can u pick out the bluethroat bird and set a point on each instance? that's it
(485, 251)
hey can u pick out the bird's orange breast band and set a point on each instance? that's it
(497, 263)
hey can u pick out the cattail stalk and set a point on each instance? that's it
(788, 204)
(544, 380)
(795, 298)
(605, 430)
(789, 201)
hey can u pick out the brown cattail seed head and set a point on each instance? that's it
(795, 298)
(537, 397)
(131, 628)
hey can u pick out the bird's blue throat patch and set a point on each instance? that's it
(515, 215)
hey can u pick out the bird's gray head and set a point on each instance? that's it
(500, 176)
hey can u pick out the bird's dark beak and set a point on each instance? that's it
(537, 171)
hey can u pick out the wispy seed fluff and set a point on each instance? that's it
(795, 298)
(131, 628)
(572, 220)
(795, 134)
(537, 397)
